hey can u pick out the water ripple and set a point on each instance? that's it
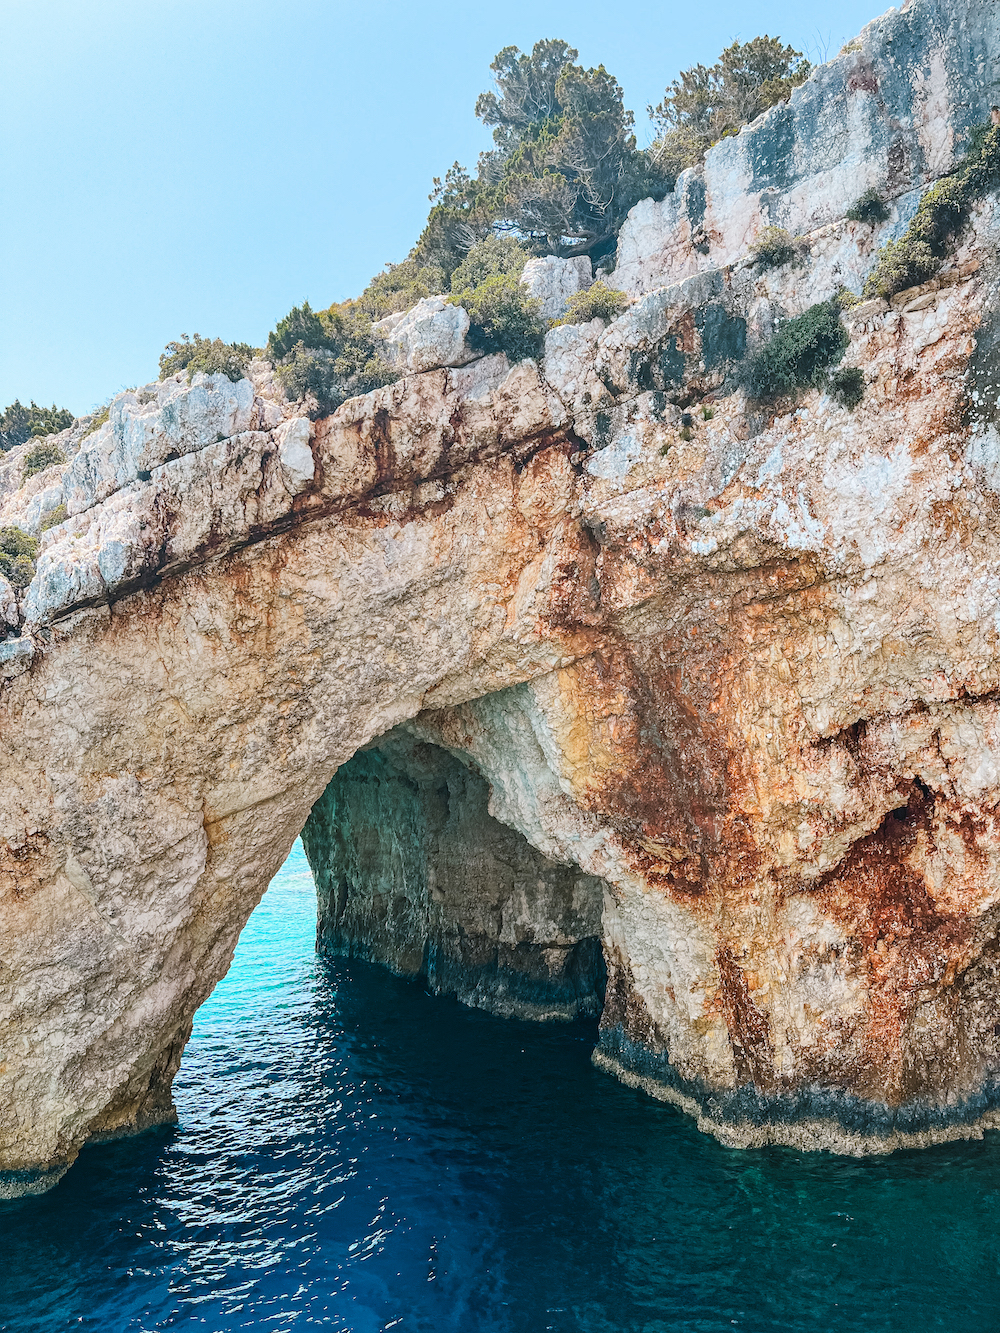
(356, 1155)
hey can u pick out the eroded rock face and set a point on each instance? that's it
(737, 665)
(892, 113)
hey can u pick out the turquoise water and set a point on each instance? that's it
(354, 1154)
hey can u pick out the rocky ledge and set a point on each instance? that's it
(593, 684)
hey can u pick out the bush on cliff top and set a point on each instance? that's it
(564, 169)
(495, 254)
(210, 356)
(330, 354)
(943, 211)
(706, 104)
(18, 423)
(504, 317)
(799, 355)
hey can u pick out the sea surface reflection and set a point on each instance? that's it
(357, 1155)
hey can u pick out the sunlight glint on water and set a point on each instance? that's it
(355, 1154)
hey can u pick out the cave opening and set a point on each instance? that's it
(413, 872)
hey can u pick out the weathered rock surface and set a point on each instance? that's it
(431, 335)
(736, 669)
(553, 281)
(892, 114)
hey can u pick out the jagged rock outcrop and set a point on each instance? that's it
(737, 666)
(431, 335)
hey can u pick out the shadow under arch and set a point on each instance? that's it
(412, 871)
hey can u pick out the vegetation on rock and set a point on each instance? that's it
(564, 170)
(18, 423)
(773, 247)
(97, 420)
(799, 356)
(562, 175)
(560, 179)
(17, 556)
(708, 103)
(211, 356)
(39, 457)
(599, 301)
(847, 385)
(331, 354)
(870, 208)
(504, 317)
(495, 255)
(54, 517)
(943, 211)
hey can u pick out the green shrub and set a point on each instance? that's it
(599, 301)
(54, 517)
(304, 371)
(97, 421)
(399, 287)
(902, 264)
(847, 386)
(496, 254)
(799, 355)
(706, 104)
(301, 327)
(17, 556)
(918, 255)
(39, 457)
(18, 423)
(336, 357)
(332, 379)
(870, 208)
(773, 247)
(211, 356)
(504, 317)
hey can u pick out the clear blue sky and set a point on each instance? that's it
(176, 166)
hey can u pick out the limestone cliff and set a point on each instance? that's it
(714, 684)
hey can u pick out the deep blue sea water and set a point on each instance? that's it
(354, 1154)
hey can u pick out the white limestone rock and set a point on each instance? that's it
(16, 655)
(428, 337)
(568, 367)
(152, 426)
(28, 507)
(8, 604)
(298, 466)
(553, 281)
(893, 114)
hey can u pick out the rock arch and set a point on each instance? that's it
(740, 667)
